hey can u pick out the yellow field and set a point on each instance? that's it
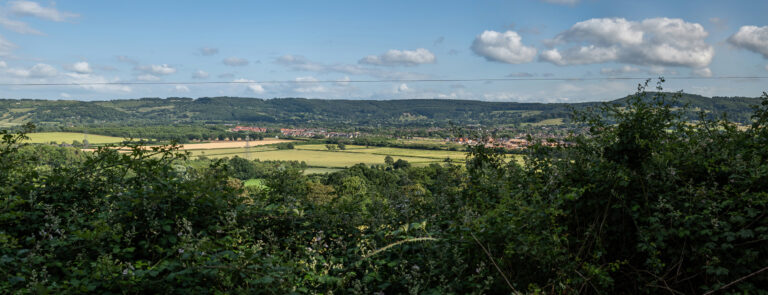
(318, 157)
(230, 144)
(68, 137)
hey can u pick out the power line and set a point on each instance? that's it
(385, 81)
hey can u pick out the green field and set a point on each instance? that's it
(320, 160)
(68, 137)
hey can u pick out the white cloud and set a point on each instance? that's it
(181, 88)
(766, 67)
(81, 67)
(162, 69)
(751, 38)
(200, 74)
(208, 51)
(308, 84)
(394, 57)
(403, 88)
(65, 95)
(3, 64)
(256, 88)
(148, 78)
(503, 47)
(95, 83)
(40, 70)
(235, 61)
(29, 8)
(564, 2)
(652, 42)
(580, 55)
(18, 26)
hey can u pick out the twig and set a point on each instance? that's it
(382, 249)
(494, 262)
(738, 280)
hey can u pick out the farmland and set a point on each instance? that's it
(321, 160)
(69, 137)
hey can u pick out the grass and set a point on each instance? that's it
(68, 137)
(547, 122)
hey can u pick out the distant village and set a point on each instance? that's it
(518, 142)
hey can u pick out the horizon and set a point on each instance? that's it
(363, 100)
(550, 51)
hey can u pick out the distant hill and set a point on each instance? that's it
(317, 112)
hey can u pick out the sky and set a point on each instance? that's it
(513, 50)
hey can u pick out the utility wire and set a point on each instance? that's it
(385, 81)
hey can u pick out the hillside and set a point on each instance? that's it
(317, 112)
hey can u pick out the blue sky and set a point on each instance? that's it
(298, 44)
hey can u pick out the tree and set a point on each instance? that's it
(389, 161)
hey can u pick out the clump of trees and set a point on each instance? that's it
(646, 201)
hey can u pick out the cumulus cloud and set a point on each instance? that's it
(3, 64)
(162, 69)
(403, 88)
(308, 84)
(256, 88)
(651, 42)
(39, 70)
(504, 47)
(235, 61)
(751, 38)
(208, 51)
(181, 88)
(252, 87)
(394, 57)
(29, 8)
(95, 83)
(81, 67)
(200, 74)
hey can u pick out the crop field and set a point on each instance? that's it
(321, 160)
(68, 137)
(230, 144)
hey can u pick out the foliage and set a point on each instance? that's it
(645, 202)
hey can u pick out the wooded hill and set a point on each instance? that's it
(319, 112)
